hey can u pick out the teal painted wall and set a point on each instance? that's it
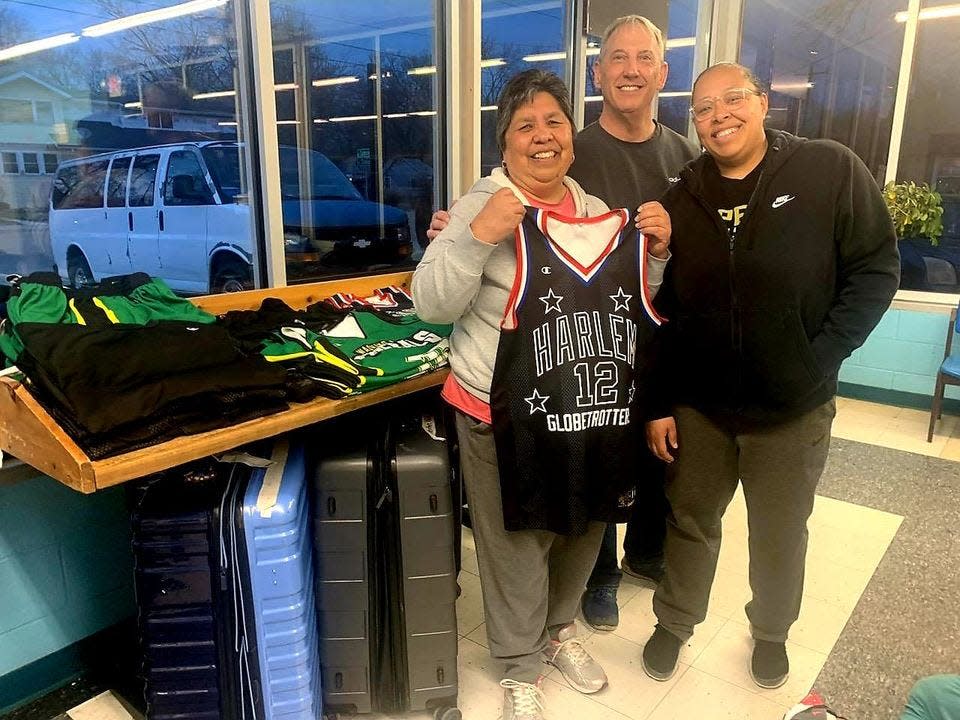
(903, 353)
(66, 568)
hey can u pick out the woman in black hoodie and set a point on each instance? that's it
(784, 259)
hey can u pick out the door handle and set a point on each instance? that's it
(130, 221)
(161, 220)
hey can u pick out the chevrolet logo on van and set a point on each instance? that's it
(362, 243)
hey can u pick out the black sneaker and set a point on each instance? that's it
(660, 654)
(599, 608)
(648, 570)
(769, 666)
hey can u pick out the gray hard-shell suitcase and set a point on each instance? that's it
(386, 578)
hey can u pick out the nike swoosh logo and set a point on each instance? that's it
(782, 200)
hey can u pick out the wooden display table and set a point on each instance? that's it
(28, 432)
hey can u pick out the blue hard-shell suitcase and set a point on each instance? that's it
(225, 591)
(274, 575)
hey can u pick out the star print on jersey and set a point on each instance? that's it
(538, 402)
(621, 299)
(551, 301)
(631, 392)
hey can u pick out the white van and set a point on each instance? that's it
(176, 212)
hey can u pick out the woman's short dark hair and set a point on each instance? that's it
(520, 90)
(747, 73)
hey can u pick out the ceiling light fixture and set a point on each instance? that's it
(217, 94)
(352, 118)
(343, 80)
(152, 16)
(541, 57)
(38, 45)
(788, 86)
(932, 13)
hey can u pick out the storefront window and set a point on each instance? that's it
(930, 147)
(357, 99)
(831, 67)
(77, 192)
(514, 37)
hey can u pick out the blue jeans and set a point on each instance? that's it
(643, 543)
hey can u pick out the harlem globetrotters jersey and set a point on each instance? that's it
(564, 382)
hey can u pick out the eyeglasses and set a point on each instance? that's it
(731, 99)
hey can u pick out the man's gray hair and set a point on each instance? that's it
(521, 90)
(634, 20)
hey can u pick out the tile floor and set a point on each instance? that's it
(712, 681)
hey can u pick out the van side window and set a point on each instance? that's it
(185, 183)
(80, 186)
(117, 184)
(143, 179)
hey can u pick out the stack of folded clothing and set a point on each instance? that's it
(291, 339)
(126, 363)
(344, 344)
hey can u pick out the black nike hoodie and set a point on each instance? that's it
(758, 323)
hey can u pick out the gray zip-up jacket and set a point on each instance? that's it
(467, 282)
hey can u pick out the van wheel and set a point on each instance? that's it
(231, 275)
(79, 273)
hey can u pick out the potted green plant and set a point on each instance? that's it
(916, 209)
(917, 213)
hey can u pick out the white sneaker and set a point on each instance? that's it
(522, 701)
(566, 653)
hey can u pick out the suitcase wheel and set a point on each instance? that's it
(450, 713)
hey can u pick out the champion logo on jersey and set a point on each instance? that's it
(546, 270)
(673, 180)
(782, 200)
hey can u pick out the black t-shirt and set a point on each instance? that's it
(729, 196)
(627, 174)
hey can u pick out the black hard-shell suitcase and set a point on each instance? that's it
(183, 602)
(386, 578)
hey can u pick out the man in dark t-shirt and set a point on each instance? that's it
(627, 158)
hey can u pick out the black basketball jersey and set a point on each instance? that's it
(564, 380)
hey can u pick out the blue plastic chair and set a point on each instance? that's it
(949, 373)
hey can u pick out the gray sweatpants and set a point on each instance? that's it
(779, 467)
(532, 580)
